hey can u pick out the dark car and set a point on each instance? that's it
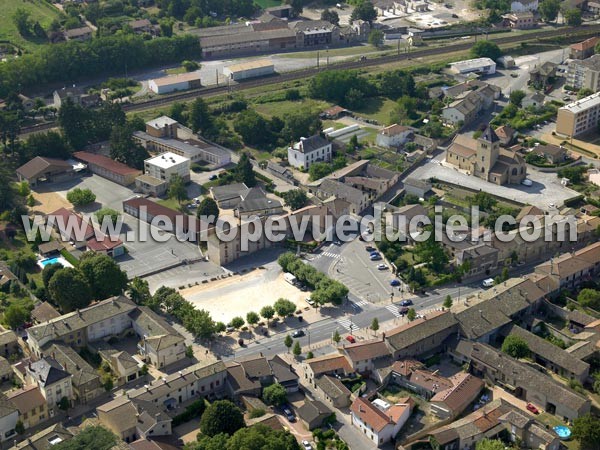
(369, 248)
(241, 342)
(213, 177)
(406, 302)
(289, 415)
(403, 311)
(395, 282)
(297, 334)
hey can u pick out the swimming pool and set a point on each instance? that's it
(57, 259)
(563, 432)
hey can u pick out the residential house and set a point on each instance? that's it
(522, 380)
(540, 77)
(547, 355)
(421, 336)
(308, 151)
(467, 431)
(109, 317)
(45, 170)
(223, 252)
(412, 375)
(554, 154)
(9, 415)
(332, 364)
(160, 343)
(238, 384)
(50, 249)
(284, 374)
(76, 95)
(506, 135)
(584, 49)
(379, 420)
(45, 439)
(31, 405)
(54, 382)
(417, 187)
(124, 367)
(9, 344)
(255, 202)
(78, 34)
(131, 420)
(364, 355)
(480, 258)
(109, 168)
(71, 226)
(6, 278)
(394, 136)
(357, 199)
(523, 5)
(146, 444)
(141, 26)
(312, 413)
(105, 244)
(333, 391)
(258, 368)
(86, 381)
(496, 309)
(280, 172)
(203, 379)
(523, 428)
(534, 100)
(520, 20)
(335, 112)
(570, 269)
(452, 401)
(6, 370)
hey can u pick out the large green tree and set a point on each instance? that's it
(81, 197)
(70, 289)
(256, 437)
(207, 208)
(221, 416)
(295, 199)
(200, 118)
(15, 315)
(330, 16)
(93, 437)
(48, 271)
(244, 172)
(490, 444)
(139, 291)
(284, 307)
(124, 149)
(573, 17)
(103, 274)
(275, 394)
(486, 49)
(364, 10)
(515, 346)
(177, 188)
(586, 429)
(549, 9)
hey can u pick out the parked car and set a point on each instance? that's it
(403, 311)
(305, 443)
(370, 249)
(297, 334)
(381, 266)
(350, 339)
(406, 303)
(289, 415)
(527, 182)
(532, 408)
(213, 177)
(395, 282)
(310, 301)
(375, 257)
(241, 342)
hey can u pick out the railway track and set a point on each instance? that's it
(570, 32)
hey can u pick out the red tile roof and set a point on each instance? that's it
(62, 217)
(585, 45)
(103, 243)
(370, 414)
(106, 163)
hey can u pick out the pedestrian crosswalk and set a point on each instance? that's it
(394, 310)
(347, 324)
(328, 254)
(361, 303)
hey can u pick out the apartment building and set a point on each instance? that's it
(579, 117)
(159, 170)
(584, 73)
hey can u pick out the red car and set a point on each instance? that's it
(350, 339)
(532, 408)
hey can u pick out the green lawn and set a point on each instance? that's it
(172, 203)
(39, 11)
(267, 3)
(285, 107)
(378, 108)
(176, 70)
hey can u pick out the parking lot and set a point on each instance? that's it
(143, 255)
(546, 188)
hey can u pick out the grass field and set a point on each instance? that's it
(267, 3)
(377, 108)
(39, 11)
(282, 108)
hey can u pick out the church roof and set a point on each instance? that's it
(489, 135)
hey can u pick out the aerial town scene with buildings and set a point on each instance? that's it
(298, 225)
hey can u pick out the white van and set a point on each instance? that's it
(488, 282)
(289, 278)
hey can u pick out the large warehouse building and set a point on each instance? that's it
(250, 69)
(478, 65)
(174, 83)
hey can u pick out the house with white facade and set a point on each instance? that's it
(523, 5)
(9, 415)
(394, 136)
(379, 420)
(54, 382)
(159, 170)
(308, 151)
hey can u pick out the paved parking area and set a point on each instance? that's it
(546, 188)
(143, 255)
(360, 274)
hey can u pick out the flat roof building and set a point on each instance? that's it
(478, 65)
(250, 69)
(181, 82)
(578, 117)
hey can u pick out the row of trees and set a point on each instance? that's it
(325, 290)
(74, 60)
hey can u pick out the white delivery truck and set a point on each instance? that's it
(289, 278)
(488, 282)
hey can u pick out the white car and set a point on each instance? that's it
(381, 267)
(306, 445)
(527, 182)
(310, 301)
